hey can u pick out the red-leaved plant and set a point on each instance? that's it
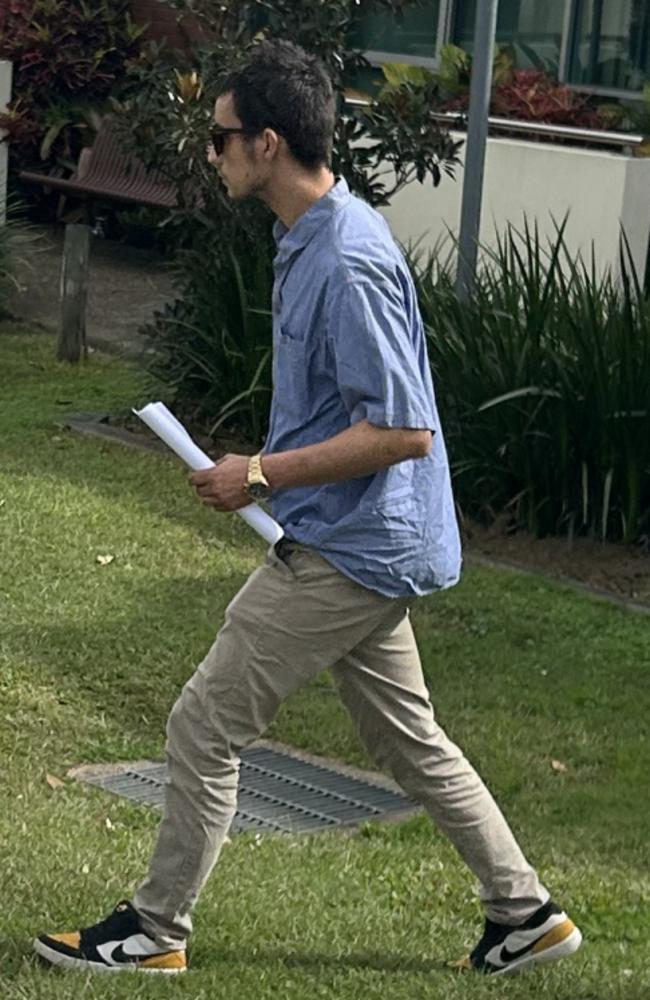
(67, 57)
(533, 96)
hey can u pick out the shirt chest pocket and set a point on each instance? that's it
(292, 364)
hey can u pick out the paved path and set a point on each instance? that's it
(126, 285)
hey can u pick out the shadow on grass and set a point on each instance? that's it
(16, 953)
(373, 961)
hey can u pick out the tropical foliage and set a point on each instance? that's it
(542, 379)
(67, 59)
(533, 95)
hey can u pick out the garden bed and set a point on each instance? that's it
(621, 570)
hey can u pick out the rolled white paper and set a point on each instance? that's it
(163, 423)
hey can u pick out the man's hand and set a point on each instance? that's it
(222, 486)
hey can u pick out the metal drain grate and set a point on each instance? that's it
(277, 791)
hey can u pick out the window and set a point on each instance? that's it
(533, 29)
(415, 36)
(611, 44)
(599, 44)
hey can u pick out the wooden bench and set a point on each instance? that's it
(104, 171)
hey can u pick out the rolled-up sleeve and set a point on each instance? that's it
(377, 356)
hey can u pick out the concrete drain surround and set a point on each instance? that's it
(277, 791)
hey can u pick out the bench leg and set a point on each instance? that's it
(71, 345)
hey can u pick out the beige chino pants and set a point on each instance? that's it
(296, 616)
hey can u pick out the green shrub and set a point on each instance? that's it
(542, 380)
(523, 94)
(213, 343)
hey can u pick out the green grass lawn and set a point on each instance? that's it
(92, 656)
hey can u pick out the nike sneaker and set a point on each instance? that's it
(116, 944)
(546, 936)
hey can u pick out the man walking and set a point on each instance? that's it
(356, 472)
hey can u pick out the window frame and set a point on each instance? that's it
(445, 13)
(569, 39)
(444, 36)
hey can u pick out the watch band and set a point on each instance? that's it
(255, 474)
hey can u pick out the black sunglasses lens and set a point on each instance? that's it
(218, 140)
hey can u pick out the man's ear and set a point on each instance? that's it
(271, 143)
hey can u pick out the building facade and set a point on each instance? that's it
(599, 45)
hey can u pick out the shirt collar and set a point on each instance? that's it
(308, 224)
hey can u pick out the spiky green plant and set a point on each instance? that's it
(543, 380)
(18, 243)
(213, 343)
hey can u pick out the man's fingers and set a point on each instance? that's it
(199, 478)
(202, 476)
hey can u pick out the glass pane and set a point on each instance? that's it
(533, 29)
(414, 36)
(612, 44)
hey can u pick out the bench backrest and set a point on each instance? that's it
(109, 168)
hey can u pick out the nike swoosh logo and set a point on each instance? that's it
(510, 956)
(118, 956)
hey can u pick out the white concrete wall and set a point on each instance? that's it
(5, 97)
(602, 191)
(635, 214)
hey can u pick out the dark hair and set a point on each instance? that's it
(282, 87)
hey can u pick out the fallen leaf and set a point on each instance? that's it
(105, 560)
(54, 782)
(461, 963)
(558, 766)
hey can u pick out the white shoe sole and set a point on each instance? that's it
(561, 950)
(68, 962)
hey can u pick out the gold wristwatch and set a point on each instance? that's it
(257, 485)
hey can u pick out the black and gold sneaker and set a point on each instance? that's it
(117, 944)
(546, 936)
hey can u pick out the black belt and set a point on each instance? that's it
(283, 547)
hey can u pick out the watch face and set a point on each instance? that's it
(258, 491)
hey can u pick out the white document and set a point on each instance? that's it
(171, 431)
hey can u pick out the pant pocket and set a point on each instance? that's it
(279, 557)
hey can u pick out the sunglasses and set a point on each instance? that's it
(219, 134)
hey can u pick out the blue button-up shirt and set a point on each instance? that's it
(348, 345)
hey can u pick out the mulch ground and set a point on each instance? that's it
(623, 570)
